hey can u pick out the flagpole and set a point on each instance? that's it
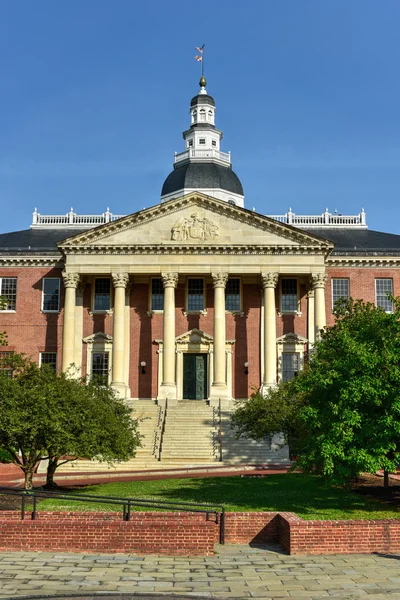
(202, 61)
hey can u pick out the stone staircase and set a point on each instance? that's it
(150, 416)
(189, 434)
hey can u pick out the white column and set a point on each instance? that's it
(71, 281)
(219, 387)
(269, 281)
(78, 334)
(127, 340)
(168, 386)
(318, 281)
(120, 281)
(311, 316)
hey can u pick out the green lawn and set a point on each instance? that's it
(307, 496)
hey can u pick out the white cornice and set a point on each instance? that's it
(378, 262)
(199, 200)
(31, 261)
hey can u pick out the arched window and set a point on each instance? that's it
(202, 114)
(210, 115)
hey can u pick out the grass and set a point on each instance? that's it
(310, 497)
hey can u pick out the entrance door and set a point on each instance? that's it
(194, 376)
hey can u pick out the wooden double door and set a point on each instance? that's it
(195, 376)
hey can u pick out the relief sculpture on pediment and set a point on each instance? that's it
(194, 228)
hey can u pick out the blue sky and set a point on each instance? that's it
(94, 97)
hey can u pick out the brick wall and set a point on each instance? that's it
(32, 332)
(147, 533)
(192, 534)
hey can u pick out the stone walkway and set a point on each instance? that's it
(235, 572)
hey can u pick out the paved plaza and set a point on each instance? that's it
(235, 572)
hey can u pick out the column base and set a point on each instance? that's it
(167, 390)
(120, 388)
(219, 393)
(265, 387)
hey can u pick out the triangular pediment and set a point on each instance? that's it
(194, 220)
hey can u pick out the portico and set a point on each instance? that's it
(212, 254)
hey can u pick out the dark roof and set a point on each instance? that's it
(202, 175)
(362, 241)
(202, 99)
(347, 241)
(35, 240)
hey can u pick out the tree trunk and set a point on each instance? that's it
(51, 469)
(385, 478)
(28, 478)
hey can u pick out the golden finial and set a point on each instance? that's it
(203, 82)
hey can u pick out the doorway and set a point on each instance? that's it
(194, 376)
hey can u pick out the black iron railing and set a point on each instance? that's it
(210, 510)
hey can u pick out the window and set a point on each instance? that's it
(214, 143)
(340, 289)
(190, 143)
(202, 114)
(232, 295)
(202, 141)
(195, 300)
(157, 294)
(102, 294)
(290, 365)
(6, 364)
(51, 294)
(8, 289)
(289, 295)
(382, 288)
(100, 367)
(49, 358)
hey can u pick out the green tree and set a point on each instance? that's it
(49, 415)
(275, 412)
(345, 405)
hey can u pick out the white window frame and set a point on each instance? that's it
(296, 311)
(376, 291)
(202, 141)
(291, 343)
(240, 309)
(47, 352)
(202, 311)
(339, 279)
(9, 310)
(99, 310)
(153, 311)
(45, 310)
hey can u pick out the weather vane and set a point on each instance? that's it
(200, 58)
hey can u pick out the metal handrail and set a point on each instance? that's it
(208, 509)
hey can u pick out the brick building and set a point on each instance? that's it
(191, 304)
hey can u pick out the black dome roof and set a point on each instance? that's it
(202, 99)
(202, 175)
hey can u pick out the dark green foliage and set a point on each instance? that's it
(276, 412)
(351, 387)
(343, 411)
(49, 415)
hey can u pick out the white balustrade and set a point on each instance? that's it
(326, 219)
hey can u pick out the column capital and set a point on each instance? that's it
(219, 279)
(80, 290)
(71, 280)
(169, 279)
(269, 280)
(318, 280)
(120, 280)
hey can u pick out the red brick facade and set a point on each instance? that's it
(32, 331)
(192, 534)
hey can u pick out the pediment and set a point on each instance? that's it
(194, 220)
(195, 336)
(291, 338)
(98, 338)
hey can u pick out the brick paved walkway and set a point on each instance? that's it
(235, 572)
